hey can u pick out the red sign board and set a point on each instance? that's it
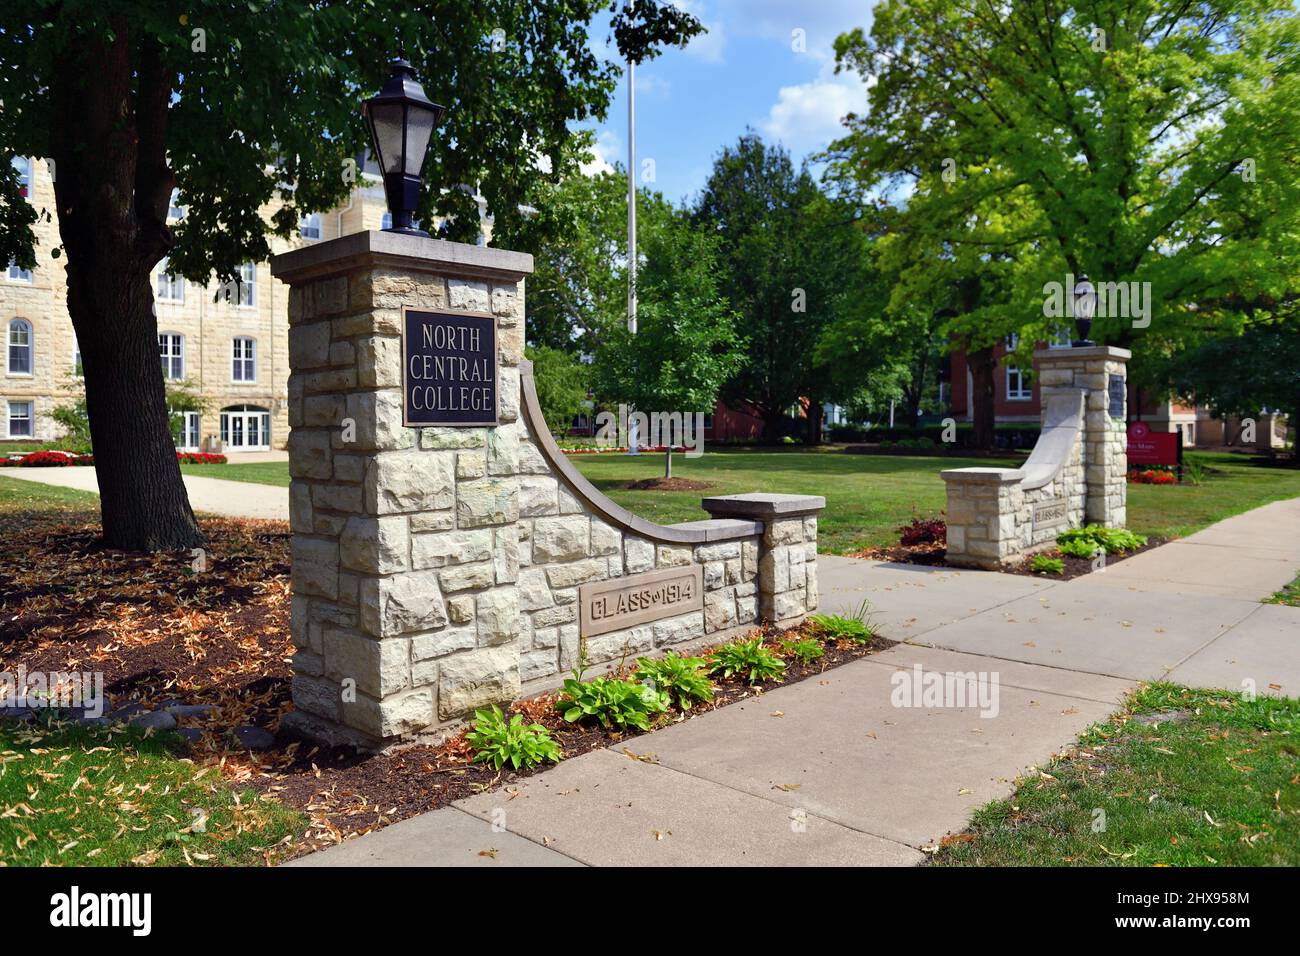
(1146, 447)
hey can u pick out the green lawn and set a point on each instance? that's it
(869, 496)
(258, 472)
(74, 795)
(1213, 786)
(1289, 595)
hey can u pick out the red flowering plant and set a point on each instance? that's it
(200, 458)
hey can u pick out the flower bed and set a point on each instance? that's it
(1152, 476)
(615, 449)
(62, 459)
(199, 458)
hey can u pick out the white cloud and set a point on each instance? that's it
(821, 20)
(808, 116)
(604, 152)
(651, 84)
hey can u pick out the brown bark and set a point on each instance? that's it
(815, 414)
(981, 363)
(108, 134)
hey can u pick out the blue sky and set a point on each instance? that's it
(743, 73)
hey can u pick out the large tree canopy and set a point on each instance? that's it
(1150, 141)
(242, 104)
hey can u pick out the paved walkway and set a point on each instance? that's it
(828, 771)
(236, 499)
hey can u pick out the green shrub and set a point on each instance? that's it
(1080, 548)
(748, 658)
(683, 679)
(516, 743)
(837, 627)
(805, 650)
(615, 703)
(1042, 564)
(1111, 540)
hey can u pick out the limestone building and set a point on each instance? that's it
(229, 345)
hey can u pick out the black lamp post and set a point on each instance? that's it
(1085, 306)
(401, 120)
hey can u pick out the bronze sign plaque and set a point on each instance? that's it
(1049, 514)
(449, 368)
(618, 603)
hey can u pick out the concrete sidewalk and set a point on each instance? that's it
(234, 499)
(830, 771)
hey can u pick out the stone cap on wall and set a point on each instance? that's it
(1111, 352)
(376, 248)
(761, 505)
(991, 476)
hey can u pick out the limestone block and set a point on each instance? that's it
(379, 361)
(810, 528)
(392, 716)
(717, 552)
(774, 571)
(314, 566)
(401, 604)
(405, 481)
(569, 504)
(309, 345)
(506, 300)
(677, 629)
(469, 295)
(620, 644)
(538, 663)
(570, 647)
(477, 678)
(746, 610)
(505, 554)
(435, 438)
(561, 538)
(719, 610)
(486, 501)
(323, 411)
(553, 616)
(497, 615)
(376, 419)
(460, 610)
(546, 637)
(783, 531)
(467, 577)
(309, 663)
(349, 468)
(450, 548)
(575, 572)
(379, 667)
(565, 595)
(309, 454)
(343, 354)
(534, 592)
(316, 695)
(374, 545)
(638, 555)
(432, 521)
(605, 539)
(673, 556)
(537, 496)
(788, 605)
(714, 573)
(502, 449)
(426, 647)
(337, 497)
(749, 558)
(471, 464)
(530, 460)
(300, 517)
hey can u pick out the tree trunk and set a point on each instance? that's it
(108, 125)
(983, 418)
(813, 430)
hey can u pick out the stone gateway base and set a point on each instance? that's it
(1076, 474)
(439, 569)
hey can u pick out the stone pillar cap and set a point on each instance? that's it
(378, 248)
(989, 475)
(1113, 352)
(758, 504)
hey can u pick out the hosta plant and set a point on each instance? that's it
(749, 659)
(616, 703)
(1079, 548)
(500, 742)
(805, 650)
(1112, 540)
(1042, 564)
(683, 679)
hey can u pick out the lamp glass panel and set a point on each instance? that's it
(387, 119)
(418, 134)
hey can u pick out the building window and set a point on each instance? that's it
(244, 367)
(246, 428)
(309, 226)
(23, 165)
(174, 208)
(1061, 339)
(246, 286)
(20, 419)
(1018, 387)
(171, 350)
(171, 287)
(19, 274)
(20, 347)
(189, 437)
(76, 357)
(387, 221)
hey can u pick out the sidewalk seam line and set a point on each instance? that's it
(521, 836)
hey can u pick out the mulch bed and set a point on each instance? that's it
(936, 554)
(668, 484)
(163, 632)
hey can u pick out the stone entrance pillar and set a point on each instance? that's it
(405, 549)
(1101, 372)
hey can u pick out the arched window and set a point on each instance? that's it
(20, 347)
(309, 226)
